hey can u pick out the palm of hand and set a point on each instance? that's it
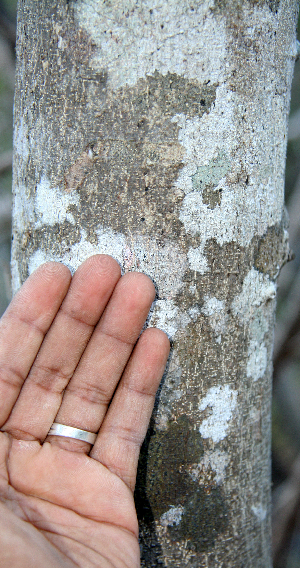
(65, 509)
(59, 505)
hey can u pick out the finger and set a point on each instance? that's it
(90, 390)
(125, 425)
(24, 325)
(41, 395)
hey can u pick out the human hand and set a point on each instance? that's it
(68, 355)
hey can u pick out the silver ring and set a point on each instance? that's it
(70, 432)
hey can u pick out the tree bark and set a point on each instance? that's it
(156, 132)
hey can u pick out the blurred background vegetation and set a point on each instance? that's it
(286, 400)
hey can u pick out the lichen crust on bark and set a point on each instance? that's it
(156, 132)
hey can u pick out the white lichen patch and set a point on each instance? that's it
(214, 309)
(255, 415)
(251, 306)
(257, 360)
(38, 258)
(135, 253)
(197, 260)
(205, 139)
(211, 174)
(49, 206)
(110, 244)
(23, 210)
(172, 517)
(222, 402)
(212, 158)
(52, 205)
(257, 290)
(237, 218)
(194, 312)
(135, 39)
(214, 462)
(259, 511)
(15, 275)
(168, 317)
(21, 145)
(164, 264)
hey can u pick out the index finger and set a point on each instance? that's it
(24, 326)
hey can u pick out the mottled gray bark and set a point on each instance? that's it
(156, 132)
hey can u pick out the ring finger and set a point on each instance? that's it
(91, 388)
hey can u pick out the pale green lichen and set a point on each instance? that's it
(212, 173)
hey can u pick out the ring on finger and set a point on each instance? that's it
(70, 432)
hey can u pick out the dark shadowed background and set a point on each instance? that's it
(286, 400)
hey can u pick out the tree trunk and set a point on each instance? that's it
(156, 132)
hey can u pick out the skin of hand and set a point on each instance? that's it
(71, 352)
